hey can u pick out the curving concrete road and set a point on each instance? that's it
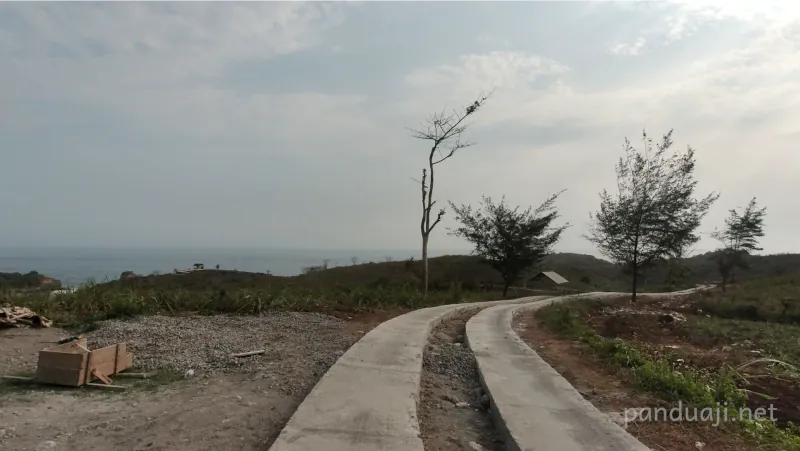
(367, 401)
(536, 408)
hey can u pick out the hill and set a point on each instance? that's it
(584, 272)
(29, 281)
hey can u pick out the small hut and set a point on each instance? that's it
(546, 279)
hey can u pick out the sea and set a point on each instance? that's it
(74, 266)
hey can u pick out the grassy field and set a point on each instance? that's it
(361, 287)
(741, 347)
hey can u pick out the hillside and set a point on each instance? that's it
(584, 272)
(29, 281)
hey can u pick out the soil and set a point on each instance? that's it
(610, 393)
(222, 411)
(453, 409)
(645, 324)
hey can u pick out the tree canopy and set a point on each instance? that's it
(511, 240)
(739, 238)
(654, 214)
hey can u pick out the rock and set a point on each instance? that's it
(485, 401)
(451, 398)
(46, 446)
(462, 404)
(473, 446)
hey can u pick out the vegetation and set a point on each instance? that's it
(29, 281)
(739, 239)
(509, 240)
(774, 299)
(444, 132)
(699, 381)
(654, 214)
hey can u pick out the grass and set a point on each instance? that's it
(661, 376)
(774, 299)
(779, 341)
(163, 377)
(109, 301)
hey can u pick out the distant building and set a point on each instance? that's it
(546, 278)
(199, 266)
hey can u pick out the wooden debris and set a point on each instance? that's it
(248, 354)
(19, 379)
(17, 316)
(73, 364)
(103, 378)
(108, 386)
(147, 375)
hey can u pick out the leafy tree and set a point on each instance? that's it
(739, 238)
(654, 214)
(510, 240)
(444, 131)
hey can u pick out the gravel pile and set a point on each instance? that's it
(450, 359)
(204, 344)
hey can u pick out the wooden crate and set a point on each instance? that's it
(73, 364)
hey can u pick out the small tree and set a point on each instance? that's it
(508, 239)
(444, 132)
(654, 214)
(739, 238)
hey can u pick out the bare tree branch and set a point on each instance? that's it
(444, 132)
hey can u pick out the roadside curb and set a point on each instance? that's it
(532, 405)
(368, 399)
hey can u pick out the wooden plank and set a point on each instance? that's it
(247, 354)
(19, 379)
(147, 375)
(124, 358)
(61, 368)
(102, 360)
(74, 347)
(108, 360)
(61, 359)
(103, 378)
(60, 376)
(107, 387)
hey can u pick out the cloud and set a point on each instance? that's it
(761, 78)
(628, 48)
(165, 65)
(683, 18)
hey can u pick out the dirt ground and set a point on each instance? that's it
(224, 411)
(606, 390)
(645, 325)
(452, 409)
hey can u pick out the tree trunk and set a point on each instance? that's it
(635, 282)
(724, 282)
(506, 285)
(425, 265)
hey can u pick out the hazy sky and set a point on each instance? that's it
(285, 124)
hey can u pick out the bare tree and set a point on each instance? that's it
(654, 214)
(739, 238)
(509, 239)
(444, 131)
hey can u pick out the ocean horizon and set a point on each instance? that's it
(77, 265)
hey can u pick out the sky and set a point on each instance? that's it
(287, 124)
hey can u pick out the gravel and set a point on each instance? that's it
(450, 359)
(205, 344)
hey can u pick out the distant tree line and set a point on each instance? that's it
(18, 281)
(652, 218)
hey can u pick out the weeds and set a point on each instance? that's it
(100, 302)
(659, 375)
